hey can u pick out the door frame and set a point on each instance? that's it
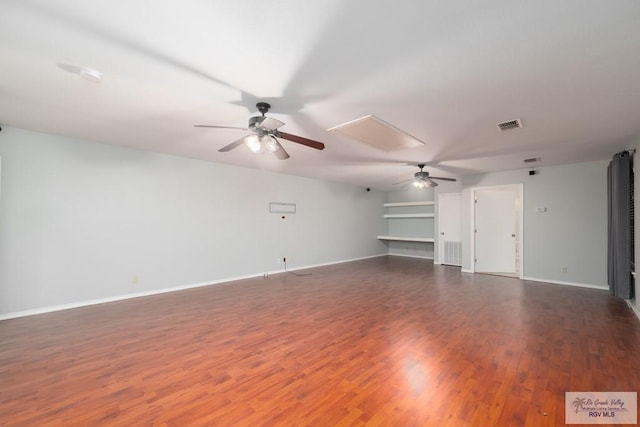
(519, 188)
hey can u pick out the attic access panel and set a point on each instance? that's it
(377, 133)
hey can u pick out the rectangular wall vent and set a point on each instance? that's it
(511, 124)
(452, 253)
(532, 160)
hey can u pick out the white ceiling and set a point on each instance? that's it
(445, 72)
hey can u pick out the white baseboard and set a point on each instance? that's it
(86, 303)
(633, 308)
(560, 282)
(409, 256)
(332, 263)
(467, 271)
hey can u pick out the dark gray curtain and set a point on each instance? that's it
(620, 181)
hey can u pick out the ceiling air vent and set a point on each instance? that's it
(511, 124)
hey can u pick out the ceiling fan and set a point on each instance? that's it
(422, 179)
(265, 131)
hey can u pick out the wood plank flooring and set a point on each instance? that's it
(381, 342)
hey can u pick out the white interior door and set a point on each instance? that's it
(495, 231)
(449, 234)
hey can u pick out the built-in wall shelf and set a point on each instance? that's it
(416, 215)
(400, 204)
(407, 239)
(410, 221)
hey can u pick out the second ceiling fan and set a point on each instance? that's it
(422, 179)
(265, 134)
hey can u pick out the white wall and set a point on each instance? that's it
(573, 231)
(81, 221)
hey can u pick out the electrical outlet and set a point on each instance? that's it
(134, 279)
(278, 261)
(565, 269)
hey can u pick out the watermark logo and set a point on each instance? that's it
(601, 407)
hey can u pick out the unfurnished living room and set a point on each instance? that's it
(341, 213)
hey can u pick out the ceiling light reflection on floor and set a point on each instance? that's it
(416, 374)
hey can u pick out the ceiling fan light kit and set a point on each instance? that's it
(261, 144)
(420, 182)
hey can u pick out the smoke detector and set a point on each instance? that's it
(84, 72)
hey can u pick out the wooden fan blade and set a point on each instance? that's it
(442, 179)
(233, 145)
(300, 140)
(218, 127)
(280, 152)
(270, 124)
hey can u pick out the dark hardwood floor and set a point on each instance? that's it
(382, 342)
